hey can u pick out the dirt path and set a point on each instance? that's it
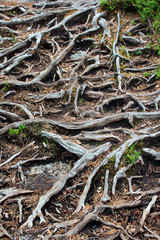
(79, 123)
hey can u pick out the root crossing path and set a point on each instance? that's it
(79, 123)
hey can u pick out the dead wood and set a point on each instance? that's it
(62, 61)
(132, 40)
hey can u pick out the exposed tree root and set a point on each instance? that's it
(79, 116)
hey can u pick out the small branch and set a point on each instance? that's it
(137, 101)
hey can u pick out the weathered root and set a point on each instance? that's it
(24, 108)
(87, 187)
(68, 145)
(70, 57)
(147, 210)
(49, 96)
(151, 154)
(119, 98)
(132, 40)
(87, 124)
(155, 235)
(130, 182)
(120, 174)
(105, 196)
(58, 186)
(141, 69)
(12, 192)
(145, 214)
(93, 216)
(5, 233)
(9, 116)
(97, 137)
(34, 19)
(129, 142)
(17, 154)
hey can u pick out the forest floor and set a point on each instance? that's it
(79, 123)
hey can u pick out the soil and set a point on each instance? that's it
(88, 81)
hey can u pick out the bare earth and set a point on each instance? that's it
(79, 123)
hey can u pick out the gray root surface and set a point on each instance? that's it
(72, 92)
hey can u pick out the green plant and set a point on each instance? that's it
(7, 86)
(107, 4)
(112, 159)
(22, 127)
(53, 146)
(148, 9)
(40, 130)
(21, 62)
(139, 52)
(158, 46)
(133, 22)
(14, 40)
(157, 72)
(146, 74)
(149, 45)
(123, 48)
(18, 132)
(156, 25)
(14, 132)
(46, 140)
(131, 154)
(81, 100)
